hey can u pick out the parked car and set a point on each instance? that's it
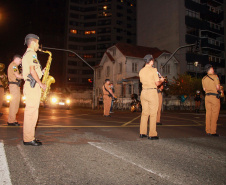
(58, 100)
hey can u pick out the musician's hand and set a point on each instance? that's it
(43, 86)
(162, 79)
(43, 71)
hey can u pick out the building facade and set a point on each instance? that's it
(94, 26)
(121, 64)
(176, 23)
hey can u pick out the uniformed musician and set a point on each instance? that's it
(14, 78)
(211, 86)
(107, 96)
(32, 91)
(149, 98)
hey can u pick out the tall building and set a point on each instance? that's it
(94, 26)
(174, 23)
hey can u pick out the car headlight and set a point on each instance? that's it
(8, 98)
(68, 101)
(23, 99)
(54, 100)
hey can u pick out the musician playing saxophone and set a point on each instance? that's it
(32, 72)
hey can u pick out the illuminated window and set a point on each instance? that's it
(90, 32)
(105, 7)
(73, 31)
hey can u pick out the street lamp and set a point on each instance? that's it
(196, 63)
(58, 49)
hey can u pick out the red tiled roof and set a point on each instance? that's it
(138, 51)
(110, 57)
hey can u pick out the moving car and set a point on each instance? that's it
(58, 100)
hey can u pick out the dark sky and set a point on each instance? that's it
(46, 18)
(20, 17)
(13, 25)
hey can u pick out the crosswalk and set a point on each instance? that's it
(4, 170)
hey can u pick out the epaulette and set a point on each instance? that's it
(204, 77)
(26, 52)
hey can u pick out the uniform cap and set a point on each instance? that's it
(30, 35)
(148, 58)
(207, 67)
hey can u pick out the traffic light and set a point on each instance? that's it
(90, 80)
(198, 46)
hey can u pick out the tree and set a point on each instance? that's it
(185, 85)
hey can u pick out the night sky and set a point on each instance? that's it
(46, 18)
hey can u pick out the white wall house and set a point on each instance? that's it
(121, 64)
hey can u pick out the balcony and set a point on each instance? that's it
(194, 22)
(208, 15)
(192, 57)
(205, 43)
(191, 5)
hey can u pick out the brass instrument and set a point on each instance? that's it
(47, 79)
(4, 79)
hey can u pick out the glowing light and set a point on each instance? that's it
(68, 101)
(73, 31)
(105, 7)
(8, 97)
(54, 100)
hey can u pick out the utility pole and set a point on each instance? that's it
(94, 75)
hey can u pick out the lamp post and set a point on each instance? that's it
(196, 66)
(58, 49)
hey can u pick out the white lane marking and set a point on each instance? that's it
(28, 164)
(4, 169)
(129, 161)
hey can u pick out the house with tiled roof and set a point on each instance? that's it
(121, 64)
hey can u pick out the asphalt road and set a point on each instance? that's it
(80, 146)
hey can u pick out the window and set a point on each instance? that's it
(98, 73)
(72, 79)
(90, 32)
(134, 67)
(214, 42)
(197, 1)
(166, 69)
(108, 71)
(191, 13)
(72, 71)
(73, 31)
(120, 68)
(192, 31)
(72, 63)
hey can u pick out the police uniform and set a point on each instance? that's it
(149, 100)
(14, 89)
(107, 100)
(212, 103)
(32, 95)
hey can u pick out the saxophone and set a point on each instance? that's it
(4, 79)
(47, 79)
